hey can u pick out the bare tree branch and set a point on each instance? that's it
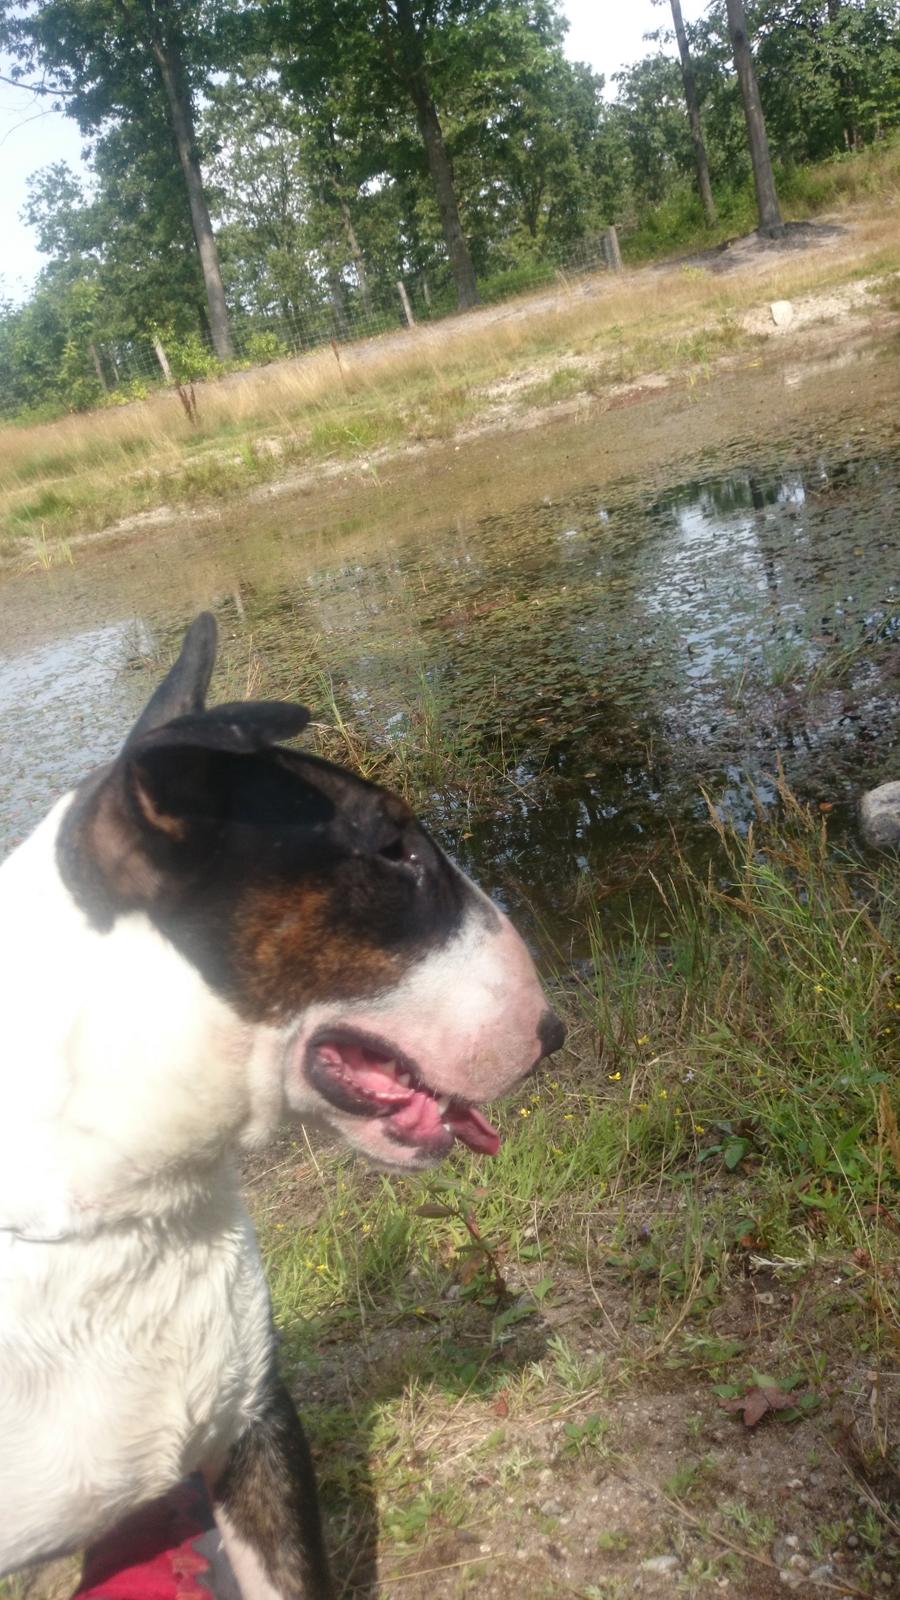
(35, 88)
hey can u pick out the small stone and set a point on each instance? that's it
(782, 313)
(852, 1541)
(784, 1547)
(550, 1508)
(661, 1564)
(879, 816)
(791, 1578)
(822, 1574)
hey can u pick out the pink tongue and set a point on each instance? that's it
(473, 1129)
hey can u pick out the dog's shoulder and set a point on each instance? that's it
(169, 1323)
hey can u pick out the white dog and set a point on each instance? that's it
(207, 935)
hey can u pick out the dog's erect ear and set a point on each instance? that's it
(175, 775)
(157, 812)
(184, 688)
(240, 727)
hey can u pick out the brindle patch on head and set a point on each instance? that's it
(288, 952)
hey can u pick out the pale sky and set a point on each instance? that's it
(606, 33)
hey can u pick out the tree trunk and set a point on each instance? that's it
(181, 115)
(693, 111)
(770, 221)
(851, 140)
(356, 254)
(98, 367)
(338, 302)
(415, 75)
(451, 227)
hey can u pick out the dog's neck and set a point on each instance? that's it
(123, 1078)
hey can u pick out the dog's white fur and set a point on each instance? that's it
(135, 1335)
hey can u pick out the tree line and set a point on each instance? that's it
(265, 161)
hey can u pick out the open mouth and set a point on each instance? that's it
(363, 1077)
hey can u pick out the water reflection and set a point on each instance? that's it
(616, 657)
(63, 707)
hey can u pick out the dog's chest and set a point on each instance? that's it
(128, 1359)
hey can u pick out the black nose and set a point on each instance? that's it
(552, 1034)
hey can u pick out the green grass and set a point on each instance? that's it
(738, 1064)
(678, 224)
(727, 1095)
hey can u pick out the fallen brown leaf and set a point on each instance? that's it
(756, 1403)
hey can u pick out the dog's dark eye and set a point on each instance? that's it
(402, 855)
(397, 851)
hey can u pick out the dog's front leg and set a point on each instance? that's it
(267, 1509)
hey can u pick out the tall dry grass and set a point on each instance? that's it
(82, 473)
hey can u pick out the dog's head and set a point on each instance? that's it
(316, 907)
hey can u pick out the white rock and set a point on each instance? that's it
(879, 815)
(784, 1547)
(661, 1564)
(782, 313)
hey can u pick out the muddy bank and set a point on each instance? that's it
(835, 367)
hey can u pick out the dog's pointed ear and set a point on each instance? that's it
(175, 776)
(184, 689)
(147, 823)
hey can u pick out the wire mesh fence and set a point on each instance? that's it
(350, 307)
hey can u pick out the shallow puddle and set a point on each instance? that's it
(602, 661)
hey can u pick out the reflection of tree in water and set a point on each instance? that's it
(608, 660)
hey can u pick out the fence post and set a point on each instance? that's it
(162, 358)
(611, 249)
(404, 301)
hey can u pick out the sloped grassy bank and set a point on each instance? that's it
(722, 1127)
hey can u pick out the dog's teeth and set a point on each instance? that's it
(390, 1069)
(443, 1103)
(404, 1078)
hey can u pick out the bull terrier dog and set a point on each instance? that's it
(207, 936)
